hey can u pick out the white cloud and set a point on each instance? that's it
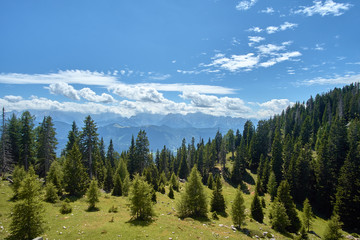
(319, 47)
(12, 98)
(139, 93)
(268, 10)
(64, 89)
(346, 79)
(245, 5)
(255, 39)
(282, 27)
(179, 87)
(328, 7)
(255, 29)
(68, 76)
(236, 62)
(270, 49)
(272, 107)
(91, 96)
(159, 77)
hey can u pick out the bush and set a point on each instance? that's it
(113, 209)
(65, 207)
(51, 193)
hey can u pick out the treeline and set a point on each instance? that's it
(312, 147)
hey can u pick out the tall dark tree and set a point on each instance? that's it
(6, 158)
(276, 156)
(141, 206)
(239, 164)
(231, 143)
(217, 203)
(73, 137)
(14, 131)
(88, 143)
(183, 169)
(46, 146)
(142, 158)
(27, 150)
(132, 164)
(256, 209)
(110, 155)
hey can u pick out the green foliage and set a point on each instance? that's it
(18, 176)
(27, 221)
(238, 209)
(193, 200)
(276, 156)
(113, 209)
(93, 194)
(117, 191)
(56, 176)
(210, 181)
(333, 229)
(27, 145)
(285, 198)
(141, 206)
(109, 178)
(51, 193)
(303, 234)
(126, 186)
(174, 182)
(256, 209)
(239, 164)
(153, 196)
(171, 192)
(279, 219)
(272, 186)
(65, 208)
(75, 176)
(307, 215)
(263, 204)
(217, 203)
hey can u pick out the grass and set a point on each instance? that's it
(102, 224)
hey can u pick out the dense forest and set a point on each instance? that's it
(311, 151)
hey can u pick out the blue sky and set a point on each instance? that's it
(248, 58)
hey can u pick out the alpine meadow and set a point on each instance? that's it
(206, 119)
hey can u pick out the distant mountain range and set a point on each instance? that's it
(161, 130)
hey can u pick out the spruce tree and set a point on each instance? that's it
(27, 220)
(141, 206)
(56, 176)
(333, 229)
(239, 164)
(193, 200)
(73, 137)
(117, 191)
(256, 209)
(171, 192)
(93, 194)
(210, 181)
(276, 156)
(278, 218)
(174, 182)
(217, 203)
(238, 209)
(109, 178)
(75, 176)
(51, 193)
(283, 196)
(18, 176)
(307, 215)
(126, 186)
(272, 186)
(27, 146)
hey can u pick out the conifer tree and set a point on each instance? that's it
(75, 176)
(109, 178)
(117, 191)
(183, 169)
(278, 218)
(27, 221)
(18, 176)
(93, 194)
(210, 181)
(303, 234)
(6, 158)
(256, 209)
(193, 200)
(51, 193)
(111, 154)
(283, 196)
(276, 156)
(56, 176)
(272, 186)
(238, 209)
(142, 159)
(13, 128)
(171, 192)
(141, 206)
(73, 137)
(239, 164)
(126, 186)
(333, 229)
(174, 182)
(27, 145)
(217, 203)
(307, 215)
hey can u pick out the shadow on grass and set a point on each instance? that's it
(70, 197)
(140, 222)
(92, 209)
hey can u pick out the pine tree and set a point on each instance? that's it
(141, 206)
(238, 209)
(93, 194)
(193, 200)
(183, 169)
(333, 229)
(111, 154)
(283, 196)
(174, 182)
(109, 178)
(88, 142)
(18, 176)
(56, 176)
(272, 186)
(73, 137)
(75, 176)
(217, 203)
(276, 156)
(51, 193)
(307, 215)
(279, 219)
(210, 181)
(46, 146)
(27, 145)
(256, 209)
(171, 192)
(117, 191)
(27, 221)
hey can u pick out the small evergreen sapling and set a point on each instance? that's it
(141, 206)
(238, 209)
(171, 192)
(217, 201)
(307, 215)
(256, 209)
(117, 191)
(333, 229)
(210, 181)
(51, 193)
(93, 194)
(278, 218)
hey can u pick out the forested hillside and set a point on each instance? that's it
(310, 151)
